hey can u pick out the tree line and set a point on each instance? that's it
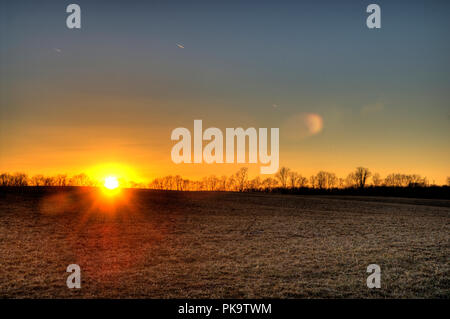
(21, 179)
(285, 178)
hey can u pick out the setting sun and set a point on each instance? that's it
(111, 182)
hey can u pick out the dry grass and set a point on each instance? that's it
(222, 245)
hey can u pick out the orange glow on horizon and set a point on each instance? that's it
(113, 175)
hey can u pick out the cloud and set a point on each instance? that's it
(302, 125)
(180, 46)
(372, 108)
(57, 50)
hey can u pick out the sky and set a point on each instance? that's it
(108, 95)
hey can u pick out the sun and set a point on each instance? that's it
(111, 182)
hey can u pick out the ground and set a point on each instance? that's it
(155, 244)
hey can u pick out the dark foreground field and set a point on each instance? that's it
(221, 245)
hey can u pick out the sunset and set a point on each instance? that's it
(212, 150)
(111, 182)
(113, 92)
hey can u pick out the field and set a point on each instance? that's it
(155, 244)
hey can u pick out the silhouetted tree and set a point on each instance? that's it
(325, 180)
(321, 179)
(255, 183)
(361, 176)
(38, 180)
(77, 180)
(313, 181)
(223, 183)
(296, 180)
(61, 180)
(178, 181)
(213, 183)
(293, 179)
(16, 179)
(302, 181)
(351, 181)
(269, 183)
(283, 176)
(241, 178)
(5, 179)
(376, 180)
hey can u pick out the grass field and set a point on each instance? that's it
(155, 244)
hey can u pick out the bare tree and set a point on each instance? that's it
(396, 180)
(77, 180)
(186, 184)
(283, 176)
(213, 183)
(156, 184)
(232, 183)
(302, 181)
(293, 178)
(321, 179)
(178, 183)
(361, 176)
(296, 180)
(416, 180)
(241, 178)
(332, 180)
(18, 179)
(49, 181)
(38, 180)
(269, 183)
(255, 183)
(168, 182)
(60, 180)
(5, 179)
(392, 180)
(350, 181)
(223, 183)
(325, 180)
(313, 181)
(376, 180)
